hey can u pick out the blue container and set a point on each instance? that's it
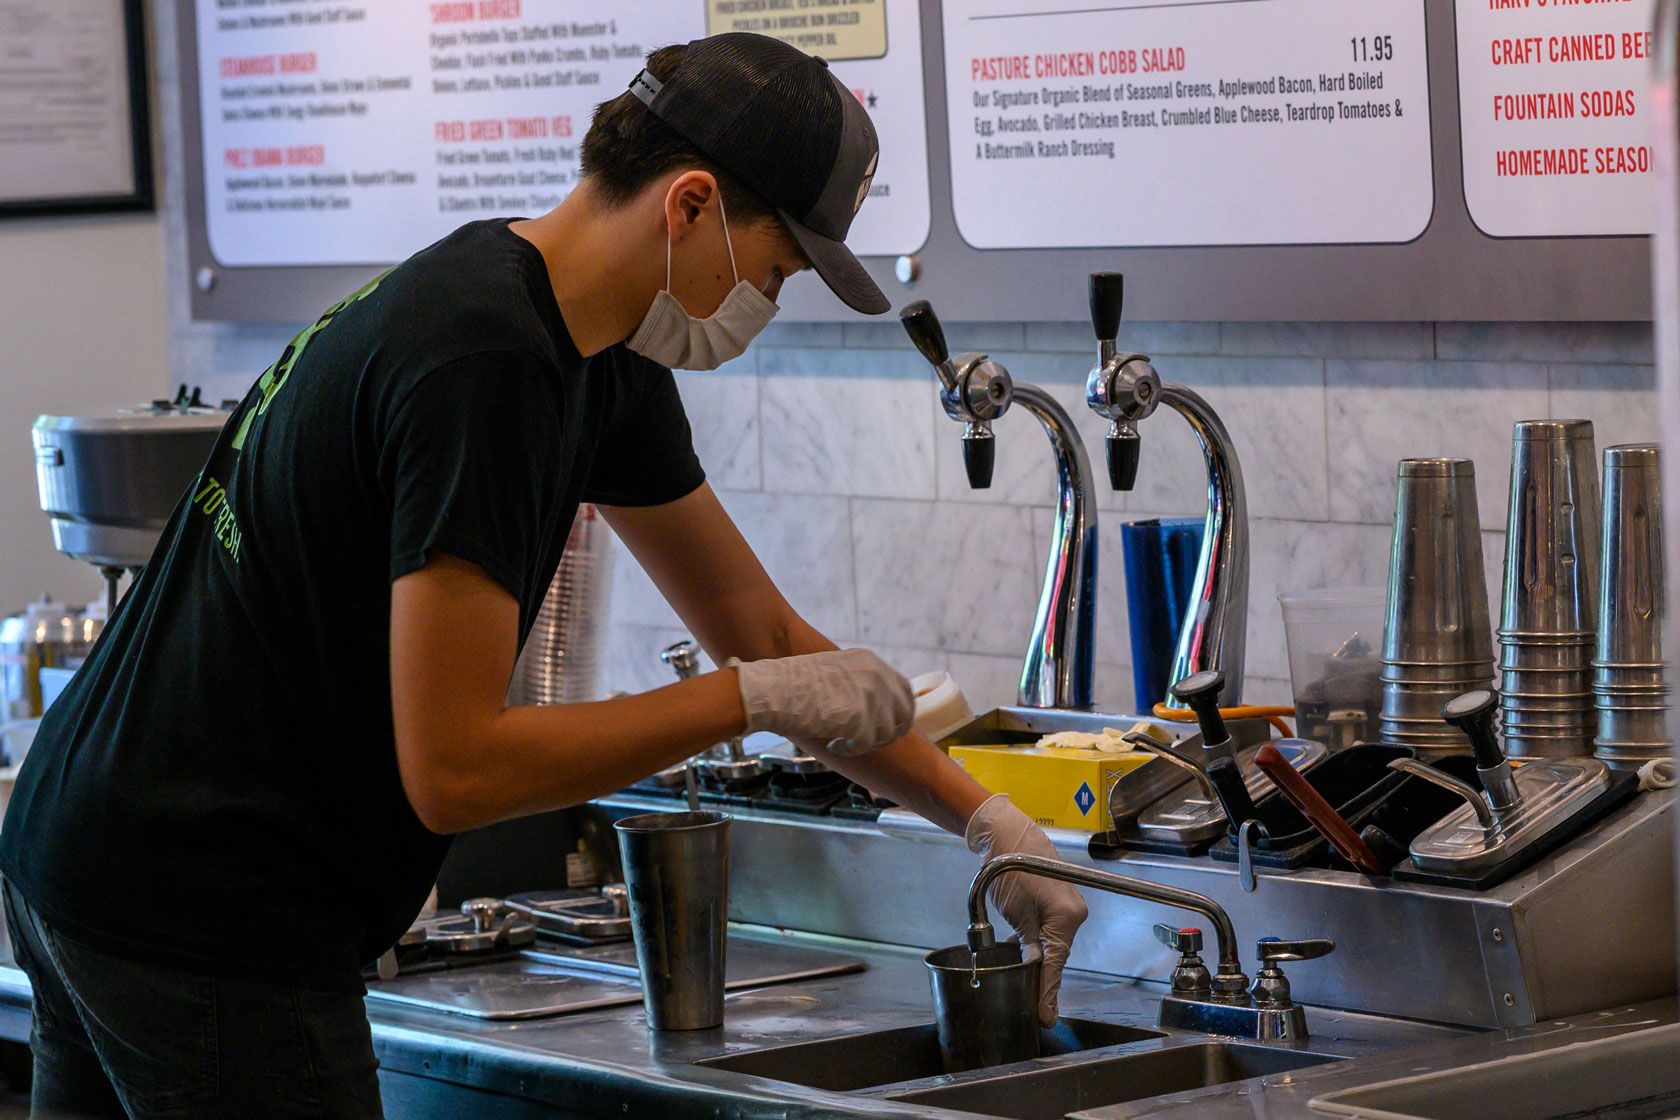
(1161, 556)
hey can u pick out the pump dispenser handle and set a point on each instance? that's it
(1200, 693)
(1108, 294)
(1472, 713)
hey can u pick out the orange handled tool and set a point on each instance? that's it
(1318, 811)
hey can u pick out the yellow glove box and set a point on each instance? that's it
(1059, 787)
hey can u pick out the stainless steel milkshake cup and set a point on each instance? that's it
(1549, 598)
(1437, 640)
(1629, 679)
(676, 869)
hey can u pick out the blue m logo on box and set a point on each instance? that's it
(1084, 798)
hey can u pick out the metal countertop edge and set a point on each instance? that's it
(504, 1066)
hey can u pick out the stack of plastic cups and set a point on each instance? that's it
(1437, 641)
(1549, 605)
(1629, 683)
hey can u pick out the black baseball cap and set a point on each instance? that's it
(779, 121)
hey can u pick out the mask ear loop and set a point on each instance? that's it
(733, 271)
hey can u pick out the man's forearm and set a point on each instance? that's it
(551, 756)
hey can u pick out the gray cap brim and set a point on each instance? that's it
(839, 269)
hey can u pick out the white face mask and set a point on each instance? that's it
(677, 340)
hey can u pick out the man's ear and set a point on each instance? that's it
(686, 199)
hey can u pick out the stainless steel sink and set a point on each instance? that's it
(1051, 1093)
(863, 1061)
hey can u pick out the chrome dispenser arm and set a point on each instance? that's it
(1471, 795)
(1061, 657)
(1124, 388)
(1215, 633)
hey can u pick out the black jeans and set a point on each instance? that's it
(114, 1039)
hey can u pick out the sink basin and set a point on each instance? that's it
(862, 1061)
(1049, 1094)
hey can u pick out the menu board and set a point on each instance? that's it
(1556, 116)
(70, 131)
(355, 132)
(1197, 122)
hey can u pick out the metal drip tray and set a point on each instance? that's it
(1190, 816)
(1553, 790)
(542, 982)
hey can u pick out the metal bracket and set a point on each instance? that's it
(1264, 1024)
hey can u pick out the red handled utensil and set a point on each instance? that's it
(1319, 812)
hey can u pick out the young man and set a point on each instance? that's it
(247, 792)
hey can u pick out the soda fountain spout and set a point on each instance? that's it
(1124, 388)
(975, 391)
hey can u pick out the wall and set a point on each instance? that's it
(826, 444)
(83, 328)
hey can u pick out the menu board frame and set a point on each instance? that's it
(1451, 272)
(76, 198)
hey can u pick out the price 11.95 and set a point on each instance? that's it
(1377, 48)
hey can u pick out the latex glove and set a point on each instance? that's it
(1043, 911)
(849, 699)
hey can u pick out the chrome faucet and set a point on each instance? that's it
(1124, 388)
(1220, 1003)
(1229, 985)
(975, 391)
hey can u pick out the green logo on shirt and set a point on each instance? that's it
(211, 497)
(275, 375)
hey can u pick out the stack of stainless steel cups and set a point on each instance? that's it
(1628, 680)
(1549, 604)
(1437, 641)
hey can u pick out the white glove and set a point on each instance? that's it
(848, 699)
(1042, 911)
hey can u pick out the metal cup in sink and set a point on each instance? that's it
(986, 1004)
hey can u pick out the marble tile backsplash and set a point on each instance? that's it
(827, 444)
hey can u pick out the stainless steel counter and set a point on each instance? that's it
(607, 1063)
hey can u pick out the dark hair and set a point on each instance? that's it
(627, 147)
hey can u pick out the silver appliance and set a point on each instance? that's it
(110, 482)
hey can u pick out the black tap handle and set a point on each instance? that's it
(1228, 783)
(1472, 713)
(1200, 693)
(1125, 447)
(1108, 293)
(922, 325)
(979, 455)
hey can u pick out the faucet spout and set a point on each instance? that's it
(974, 391)
(1230, 983)
(1215, 625)
(1061, 655)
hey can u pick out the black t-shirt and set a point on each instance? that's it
(217, 788)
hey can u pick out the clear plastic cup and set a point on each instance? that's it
(1335, 637)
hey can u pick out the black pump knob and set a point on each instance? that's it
(1125, 448)
(922, 325)
(1472, 713)
(979, 455)
(1200, 693)
(1108, 293)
